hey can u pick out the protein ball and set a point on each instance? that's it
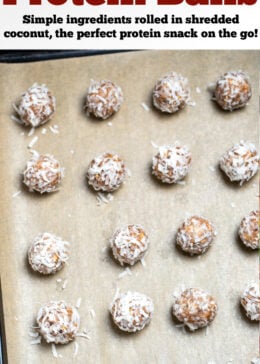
(194, 307)
(58, 322)
(132, 311)
(241, 162)
(43, 173)
(36, 106)
(103, 99)
(249, 230)
(195, 235)
(250, 300)
(106, 172)
(171, 93)
(233, 90)
(172, 163)
(48, 253)
(129, 244)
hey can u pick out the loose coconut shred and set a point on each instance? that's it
(250, 300)
(233, 90)
(194, 307)
(132, 311)
(43, 173)
(129, 244)
(241, 162)
(106, 172)
(171, 93)
(48, 253)
(103, 99)
(172, 163)
(58, 322)
(36, 106)
(249, 230)
(195, 235)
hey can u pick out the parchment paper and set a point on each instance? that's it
(72, 213)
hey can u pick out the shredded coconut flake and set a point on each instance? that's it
(31, 132)
(44, 130)
(182, 183)
(145, 106)
(76, 349)
(125, 272)
(33, 142)
(36, 341)
(78, 303)
(102, 197)
(54, 351)
(92, 313)
(64, 284)
(143, 262)
(211, 168)
(154, 145)
(16, 193)
(14, 118)
(85, 336)
(198, 90)
(191, 103)
(117, 293)
(54, 130)
(110, 123)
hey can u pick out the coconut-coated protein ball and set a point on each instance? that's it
(36, 106)
(194, 307)
(233, 90)
(171, 163)
(195, 235)
(58, 322)
(129, 244)
(250, 300)
(171, 93)
(103, 99)
(132, 311)
(43, 173)
(106, 172)
(48, 253)
(249, 229)
(241, 162)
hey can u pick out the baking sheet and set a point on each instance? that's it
(72, 213)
